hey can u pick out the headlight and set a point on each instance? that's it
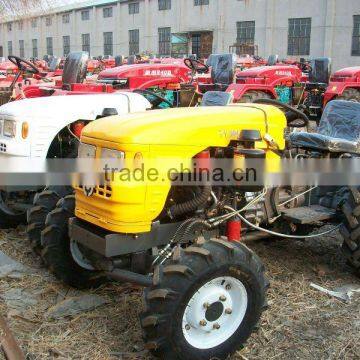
(9, 128)
(86, 151)
(112, 154)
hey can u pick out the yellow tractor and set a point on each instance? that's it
(205, 290)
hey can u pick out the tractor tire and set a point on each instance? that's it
(43, 203)
(57, 254)
(350, 95)
(350, 229)
(252, 95)
(206, 303)
(9, 217)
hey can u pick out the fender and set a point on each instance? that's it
(238, 90)
(336, 89)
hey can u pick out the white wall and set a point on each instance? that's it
(331, 34)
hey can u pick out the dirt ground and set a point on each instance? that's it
(301, 323)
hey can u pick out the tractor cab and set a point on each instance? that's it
(338, 131)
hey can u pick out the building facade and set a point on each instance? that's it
(289, 28)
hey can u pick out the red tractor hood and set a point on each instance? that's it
(146, 70)
(348, 72)
(271, 71)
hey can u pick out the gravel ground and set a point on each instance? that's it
(301, 323)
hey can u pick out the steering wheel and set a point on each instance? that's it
(305, 67)
(295, 118)
(159, 98)
(23, 65)
(196, 66)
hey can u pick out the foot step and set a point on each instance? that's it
(308, 214)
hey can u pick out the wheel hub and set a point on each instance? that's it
(214, 312)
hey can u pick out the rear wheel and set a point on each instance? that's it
(350, 229)
(252, 95)
(11, 214)
(205, 304)
(350, 95)
(43, 203)
(58, 251)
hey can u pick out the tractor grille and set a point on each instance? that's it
(5, 97)
(104, 191)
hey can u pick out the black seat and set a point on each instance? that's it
(216, 98)
(338, 132)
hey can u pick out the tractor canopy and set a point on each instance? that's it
(200, 127)
(75, 68)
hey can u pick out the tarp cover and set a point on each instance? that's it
(75, 68)
(216, 98)
(223, 68)
(54, 63)
(338, 131)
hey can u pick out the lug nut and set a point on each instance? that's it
(228, 311)
(216, 326)
(206, 305)
(187, 327)
(228, 287)
(222, 298)
(203, 322)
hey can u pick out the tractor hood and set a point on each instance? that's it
(144, 70)
(348, 72)
(201, 126)
(86, 107)
(271, 71)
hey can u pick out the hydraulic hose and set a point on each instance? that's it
(191, 205)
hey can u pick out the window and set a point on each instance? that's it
(134, 8)
(33, 23)
(20, 25)
(108, 43)
(66, 18)
(49, 46)
(66, 44)
(164, 5)
(196, 44)
(355, 48)
(201, 2)
(10, 50)
(107, 12)
(34, 48)
(85, 15)
(85, 42)
(164, 41)
(48, 21)
(245, 32)
(134, 42)
(21, 48)
(9, 26)
(299, 36)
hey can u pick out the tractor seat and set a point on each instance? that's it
(216, 98)
(338, 132)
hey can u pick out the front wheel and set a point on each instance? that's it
(205, 304)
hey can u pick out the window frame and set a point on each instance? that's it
(35, 51)
(134, 42)
(87, 17)
(355, 40)
(67, 45)
(134, 8)
(108, 45)
(84, 46)
(66, 18)
(245, 32)
(107, 12)
(201, 2)
(164, 41)
(49, 45)
(164, 5)
(299, 36)
(22, 48)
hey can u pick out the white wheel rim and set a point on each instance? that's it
(215, 312)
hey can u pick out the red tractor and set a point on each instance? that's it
(302, 85)
(344, 85)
